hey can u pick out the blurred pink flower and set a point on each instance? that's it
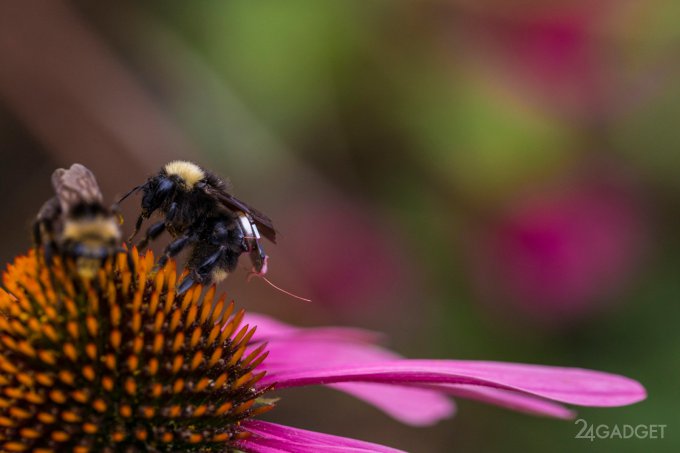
(349, 262)
(561, 254)
(412, 391)
(554, 53)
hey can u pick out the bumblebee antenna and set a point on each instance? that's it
(253, 273)
(134, 190)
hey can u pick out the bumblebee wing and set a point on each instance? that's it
(49, 211)
(264, 224)
(76, 185)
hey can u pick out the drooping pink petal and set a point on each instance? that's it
(269, 328)
(409, 405)
(413, 406)
(509, 399)
(272, 438)
(566, 385)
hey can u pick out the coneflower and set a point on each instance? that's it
(118, 363)
(121, 363)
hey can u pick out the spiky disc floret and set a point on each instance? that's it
(119, 363)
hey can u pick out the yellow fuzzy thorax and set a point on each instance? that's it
(189, 172)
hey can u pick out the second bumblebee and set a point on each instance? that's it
(75, 224)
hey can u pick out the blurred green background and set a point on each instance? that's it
(478, 179)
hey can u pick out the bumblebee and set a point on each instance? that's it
(199, 213)
(75, 224)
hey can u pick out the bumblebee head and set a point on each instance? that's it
(186, 172)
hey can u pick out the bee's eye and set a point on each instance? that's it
(165, 185)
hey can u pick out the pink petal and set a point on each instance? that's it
(413, 406)
(293, 353)
(272, 438)
(269, 328)
(409, 405)
(509, 399)
(566, 385)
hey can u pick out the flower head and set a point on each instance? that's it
(121, 363)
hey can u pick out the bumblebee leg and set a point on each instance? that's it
(209, 264)
(215, 267)
(174, 248)
(259, 259)
(185, 284)
(49, 253)
(172, 212)
(37, 239)
(38, 242)
(151, 233)
(138, 225)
